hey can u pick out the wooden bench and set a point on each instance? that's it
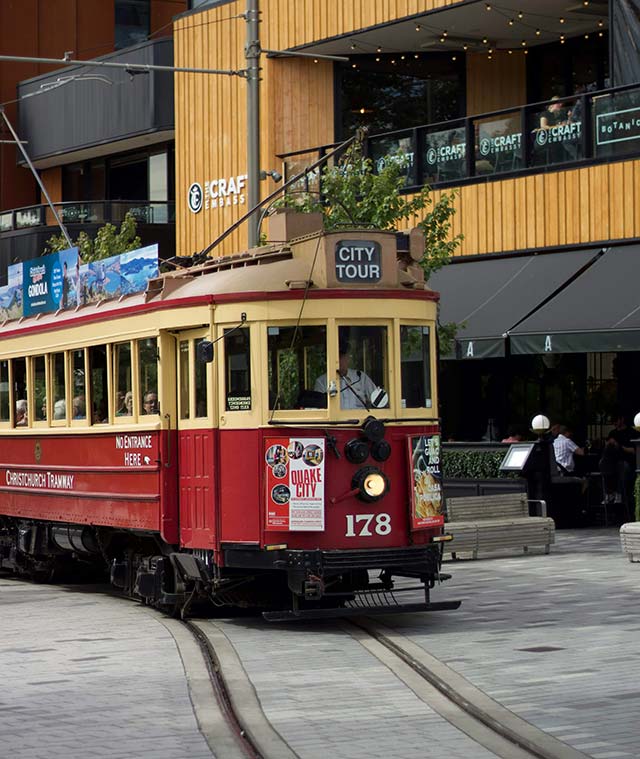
(630, 540)
(495, 522)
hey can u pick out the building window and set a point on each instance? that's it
(384, 95)
(132, 22)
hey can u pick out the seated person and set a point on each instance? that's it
(565, 450)
(355, 386)
(554, 114)
(150, 403)
(60, 409)
(79, 408)
(617, 463)
(126, 409)
(21, 413)
(514, 434)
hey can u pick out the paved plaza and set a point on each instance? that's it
(553, 638)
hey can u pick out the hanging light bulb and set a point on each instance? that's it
(378, 49)
(443, 39)
(377, 59)
(601, 23)
(488, 6)
(511, 22)
(510, 52)
(445, 33)
(465, 48)
(520, 14)
(418, 27)
(353, 45)
(538, 32)
(562, 20)
(586, 36)
(524, 43)
(454, 57)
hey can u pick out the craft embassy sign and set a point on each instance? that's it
(217, 193)
(358, 262)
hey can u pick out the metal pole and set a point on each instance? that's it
(252, 55)
(37, 177)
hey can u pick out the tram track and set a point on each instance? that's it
(454, 698)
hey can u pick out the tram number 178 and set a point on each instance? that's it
(361, 525)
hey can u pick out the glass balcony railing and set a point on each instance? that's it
(573, 130)
(95, 212)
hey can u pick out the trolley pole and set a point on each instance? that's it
(252, 55)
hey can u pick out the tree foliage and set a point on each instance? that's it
(109, 241)
(353, 194)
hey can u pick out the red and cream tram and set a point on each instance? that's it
(259, 430)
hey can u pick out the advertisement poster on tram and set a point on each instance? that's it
(426, 479)
(294, 484)
(50, 282)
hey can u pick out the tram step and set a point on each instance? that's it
(289, 615)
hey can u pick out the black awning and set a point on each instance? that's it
(488, 297)
(598, 312)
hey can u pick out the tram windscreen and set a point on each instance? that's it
(363, 365)
(415, 358)
(297, 357)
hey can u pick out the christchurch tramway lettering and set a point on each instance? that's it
(49, 480)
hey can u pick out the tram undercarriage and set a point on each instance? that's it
(285, 584)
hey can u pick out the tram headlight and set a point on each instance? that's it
(371, 483)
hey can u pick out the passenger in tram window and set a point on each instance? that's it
(43, 410)
(150, 404)
(126, 409)
(60, 409)
(21, 413)
(100, 415)
(121, 408)
(355, 386)
(79, 407)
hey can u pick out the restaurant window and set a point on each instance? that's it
(59, 397)
(183, 369)
(122, 374)
(385, 93)
(297, 358)
(201, 372)
(20, 397)
(99, 384)
(4, 391)
(363, 365)
(79, 385)
(148, 370)
(237, 357)
(132, 22)
(40, 388)
(415, 366)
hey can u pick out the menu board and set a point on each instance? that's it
(426, 482)
(294, 484)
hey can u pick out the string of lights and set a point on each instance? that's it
(533, 24)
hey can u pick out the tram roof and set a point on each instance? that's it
(268, 270)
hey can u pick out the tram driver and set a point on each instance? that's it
(356, 387)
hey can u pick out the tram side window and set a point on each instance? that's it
(148, 368)
(237, 370)
(200, 371)
(122, 379)
(98, 384)
(59, 387)
(184, 378)
(4, 391)
(297, 357)
(363, 365)
(20, 400)
(40, 388)
(415, 366)
(79, 389)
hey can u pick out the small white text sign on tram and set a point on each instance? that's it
(358, 262)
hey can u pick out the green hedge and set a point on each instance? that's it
(473, 464)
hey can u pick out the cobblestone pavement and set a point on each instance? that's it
(553, 638)
(86, 676)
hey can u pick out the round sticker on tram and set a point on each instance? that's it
(279, 470)
(194, 197)
(295, 449)
(276, 454)
(312, 455)
(280, 494)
